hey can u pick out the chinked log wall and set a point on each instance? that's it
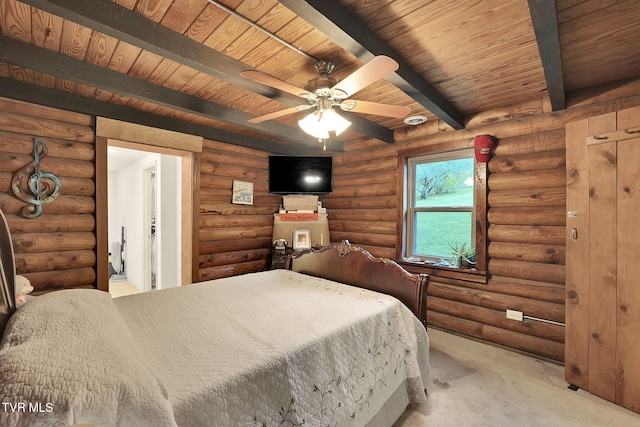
(234, 239)
(55, 250)
(526, 217)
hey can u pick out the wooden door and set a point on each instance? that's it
(603, 237)
(628, 298)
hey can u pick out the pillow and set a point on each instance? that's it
(67, 357)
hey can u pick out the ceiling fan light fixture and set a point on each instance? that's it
(311, 125)
(325, 93)
(319, 123)
(331, 120)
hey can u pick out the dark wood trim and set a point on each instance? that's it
(102, 215)
(371, 129)
(465, 274)
(22, 91)
(123, 24)
(544, 17)
(118, 22)
(45, 61)
(195, 209)
(338, 23)
(481, 216)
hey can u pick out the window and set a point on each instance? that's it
(441, 206)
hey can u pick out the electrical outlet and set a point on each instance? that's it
(514, 315)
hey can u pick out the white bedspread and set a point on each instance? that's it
(68, 358)
(272, 348)
(278, 346)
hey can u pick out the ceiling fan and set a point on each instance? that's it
(324, 93)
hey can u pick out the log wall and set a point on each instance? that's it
(57, 249)
(526, 218)
(233, 239)
(526, 214)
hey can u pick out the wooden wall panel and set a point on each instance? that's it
(362, 207)
(628, 296)
(519, 341)
(602, 298)
(526, 235)
(57, 249)
(602, 261)
(529, 239)
(233, 239)
(628, 303)
(527, 224)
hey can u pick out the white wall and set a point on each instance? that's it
(169, 207)
(126, 206)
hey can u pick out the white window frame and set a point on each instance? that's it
(410, 197)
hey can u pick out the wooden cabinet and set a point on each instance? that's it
(602, 348)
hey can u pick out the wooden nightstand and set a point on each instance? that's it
(279, 258)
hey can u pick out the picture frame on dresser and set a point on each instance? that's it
(301, 239)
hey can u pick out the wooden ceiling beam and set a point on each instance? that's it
(544, 16)
(348, 31)
(58, 65)
(27, 92)
(118, 22)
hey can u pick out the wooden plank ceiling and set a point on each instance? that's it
(177, 63)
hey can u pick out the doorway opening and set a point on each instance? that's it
(145, 205)
(150, 219)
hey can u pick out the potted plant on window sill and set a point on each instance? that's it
(463, 256)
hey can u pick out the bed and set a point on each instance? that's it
(337, 340)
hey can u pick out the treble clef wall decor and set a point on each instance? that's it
(42, 192)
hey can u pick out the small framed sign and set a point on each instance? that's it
(242, 193)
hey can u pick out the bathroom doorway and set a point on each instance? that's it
(144, 205)
(183, 148)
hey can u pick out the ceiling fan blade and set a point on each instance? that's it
(370, 72)
(365, 107)
(268, 80)
(275, 115)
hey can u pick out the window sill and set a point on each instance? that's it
(468, 274)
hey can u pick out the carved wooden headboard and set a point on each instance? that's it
(7, 274)
(353, 265)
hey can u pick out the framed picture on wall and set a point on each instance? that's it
(242, 193)
(301, 239)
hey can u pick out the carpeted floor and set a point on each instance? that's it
(475, 384)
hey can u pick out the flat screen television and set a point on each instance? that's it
(300, 174)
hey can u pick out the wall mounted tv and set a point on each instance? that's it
(300, 174)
